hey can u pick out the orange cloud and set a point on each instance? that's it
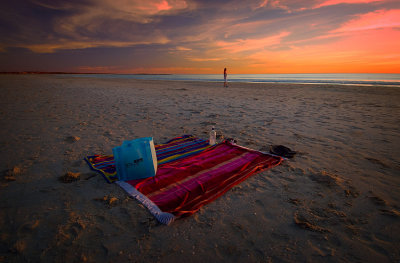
(336, 2)
(252, 44)
(164, 5)
(203, 59)
(373, 20)
(53, 47)
(167, 70)
(253, 26)
(263, 3)
(142, 9)
(180, 48)
(353, 53)
(139, 70)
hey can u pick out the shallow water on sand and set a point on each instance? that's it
(340, 79)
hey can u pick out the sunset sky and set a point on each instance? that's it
(193, 36)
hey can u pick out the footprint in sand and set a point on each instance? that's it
(377, 162)
(377, 200)
(390, 212)
(109, 200)
(295, 201)
(72, 139)
(70, 177)
(305, 222)
(12, 174)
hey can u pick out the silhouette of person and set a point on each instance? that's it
(225, 79)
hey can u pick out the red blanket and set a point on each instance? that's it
(181, 187)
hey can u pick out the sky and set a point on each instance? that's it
(200, 36)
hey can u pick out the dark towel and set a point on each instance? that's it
(282, 151)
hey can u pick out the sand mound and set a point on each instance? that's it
(70, 177)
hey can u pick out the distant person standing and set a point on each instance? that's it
(225, 77)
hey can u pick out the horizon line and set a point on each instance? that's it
(114, 73)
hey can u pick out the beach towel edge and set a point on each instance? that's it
(108, 180)
(163, 217)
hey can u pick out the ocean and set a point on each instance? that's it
(341, 79)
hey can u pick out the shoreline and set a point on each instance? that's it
(344, 82)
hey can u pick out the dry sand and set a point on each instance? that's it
(338, 200)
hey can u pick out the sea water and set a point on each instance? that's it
(341, 79)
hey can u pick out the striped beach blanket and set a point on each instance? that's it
(190, 174)
(182, 186)
(174, 149)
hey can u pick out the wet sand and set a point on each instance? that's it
(337, 200)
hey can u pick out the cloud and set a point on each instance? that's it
(262, 4)
(93, 23)
(352, 53)
(272, 4)
(249, 27)
(65, 45)
(288, 5)
(132, 10)
(302, 5)
(337, 2)
(254, 44)
(118, 18)
(372, 20)
(167, 70)
(180, 48)
(203, 59)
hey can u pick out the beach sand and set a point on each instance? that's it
(337, 200)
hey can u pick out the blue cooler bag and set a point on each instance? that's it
(135, 159)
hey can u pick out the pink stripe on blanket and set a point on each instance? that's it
(197, 184)
(174, 172)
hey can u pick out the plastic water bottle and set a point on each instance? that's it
(213, 136)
